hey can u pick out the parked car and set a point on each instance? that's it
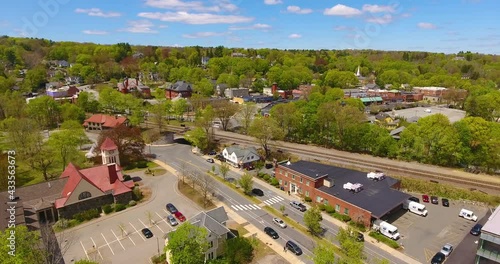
(279, 222)
(270, 232)
(269, 165)
(212, 152)
(171, 220)
(290, 245)
(210, 160)
(434, 200)
(147, 233)
(180, 216)
(447, 249)
(476, 230)
(425, 198)
(438, 258)
(298, 206)
(414, 199)
(445, 202)
(220, 157)
(171, 208)
(258, 192)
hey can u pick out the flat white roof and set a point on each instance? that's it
(433, 88)
(493, 223)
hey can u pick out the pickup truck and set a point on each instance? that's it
(299, 206)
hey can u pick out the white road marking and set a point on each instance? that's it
(108, 244)
(84, 250)
(117, 239)
(163, 219)
(268, 203)
(143, 224)
(156, 224)
(240, 207)
(95, 246)
(137, 231)
(234, 207)
(131, 240)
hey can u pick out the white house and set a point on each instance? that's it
(239, 156)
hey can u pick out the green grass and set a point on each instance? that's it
(381, 238)
(150, 165)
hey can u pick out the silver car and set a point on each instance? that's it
(171, 220)
(447, 249)
(279, 222)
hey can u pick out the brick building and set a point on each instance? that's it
(348, 191)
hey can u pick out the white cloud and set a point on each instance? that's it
(298, 10)
(196, 19)
(342, 10)
(425, 25)
(295, 36)
(272, 2)
(95, 32)
(203, 35)
(263, 27)
(97, 12)
(378, 9)
(198, 6)
(140, 26)
(385, 19)
(343, 28)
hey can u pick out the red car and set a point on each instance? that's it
(180, 216)
(425, 198)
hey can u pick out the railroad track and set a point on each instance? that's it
(359, 162)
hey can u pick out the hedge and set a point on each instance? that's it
(142, 164)
(329, 209)
(119, 207)
(87, 215)
(341, 217)
(132, 203)
(308, 199)
(381, 238)
(360, 226)
(107, 209)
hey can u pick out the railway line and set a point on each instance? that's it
(365, 162)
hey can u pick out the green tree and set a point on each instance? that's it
(312, 220)
(179, 107)
(324, 253)
(35, 79)
(188, 244)
(238, 250)
(65, 143)
(87, 102)
(224, 170)
(351, 248)
(72, 112)
(246, 183)
(158, 113)
(224, 111)
(26, 246)
(198, 138)
(204, 87)
(264, 130)
(246, 114)
(45, 111)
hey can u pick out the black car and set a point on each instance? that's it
(445, 202)
(220, 157)
(434, 200)
(270, 232)
(438, 258)
(269, 166)
(290, 245)
(476, 230)
(171, 208)
(258, 192)
(147, 233)
(414, 199)
(212, 153)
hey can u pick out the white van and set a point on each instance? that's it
(386, 229)
(468, 214)
(414, 207)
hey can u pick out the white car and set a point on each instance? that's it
(279, 222)
(447, 249)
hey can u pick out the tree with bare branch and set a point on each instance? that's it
(246, 114)
(206, 185)
(223, 111)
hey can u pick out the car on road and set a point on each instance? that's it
(425, 198)
(447, 249)
(298, 206)
(414, 199)
(279, 222)
(434, 200)
(210, 160)
(171, 208)
(476, 230)
(292, 246)
(270, 232)
(147, 233)
(438, 258)
(445, 202)
(258, 192)
(180, 216)
(171, 220)
(212, 153)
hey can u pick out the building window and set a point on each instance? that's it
(281, 181)
(293, 176)
(325, 202)
(286, 174)
(318, 199)
(281, 172)
(337, 208)
(300, 179)
(211, 244)
(307, 183)
(307, 193)
(211, 255)
(84, 195)
(286, 183)
(346, 211)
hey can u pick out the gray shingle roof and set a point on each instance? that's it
(181, 86)
(241, 153)
(212, 220)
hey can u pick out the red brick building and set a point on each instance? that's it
(349, 192)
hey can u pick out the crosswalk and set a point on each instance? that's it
(274, 200)
(241, 207)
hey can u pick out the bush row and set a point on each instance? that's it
(342, 217)
(138, 164)
(269, 179)
(87, 215)
(381, 238)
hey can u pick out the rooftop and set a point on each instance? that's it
(493, 224)
(377, 197)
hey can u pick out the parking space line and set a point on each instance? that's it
(117, 239)
(160, 228)
(96, 248)
(143, 223)
(162, 219)
(107, 243)
(131, 240)
(137, 231)
(84, 250)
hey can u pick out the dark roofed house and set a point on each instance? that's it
(179, 89)
(326, 184)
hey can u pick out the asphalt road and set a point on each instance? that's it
(176, 154)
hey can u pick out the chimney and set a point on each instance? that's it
(274, 88)
(112, 173)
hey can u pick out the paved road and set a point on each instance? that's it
(272, 197)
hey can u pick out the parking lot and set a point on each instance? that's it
(422, 237)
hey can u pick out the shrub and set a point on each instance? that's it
(329, 209)
(308, 199)
(119, 207)
(275, 182)
(266, 177)
(130, 166)
(142, 164)
(341, 217)
(127, 178)
(360, 226)
(321, 207)
(87, 215)
(381, 238)
(137, 194)
(107, 209)
(132, 203)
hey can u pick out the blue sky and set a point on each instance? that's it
(425, 25)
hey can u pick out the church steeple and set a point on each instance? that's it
(109, 152)
(358, 72)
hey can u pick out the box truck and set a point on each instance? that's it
(468, 214)
(414, 207)
(386, 229)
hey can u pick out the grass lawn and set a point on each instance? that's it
(150, 164)
(194, 195)
(261, 250)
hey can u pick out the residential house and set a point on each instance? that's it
(240, 157)
(73, 80)
(65, 91)
(179, 89)
(488, 249)
(204, 61)
(63, 64)
(220, 89)
(238, 55)
(144, 90)
(385, 120)
(103, 122)
(138, 55)
(395, 133)
(128, 85)
(433, 94)
(236, 92)
(371, 86)
(53, 85)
